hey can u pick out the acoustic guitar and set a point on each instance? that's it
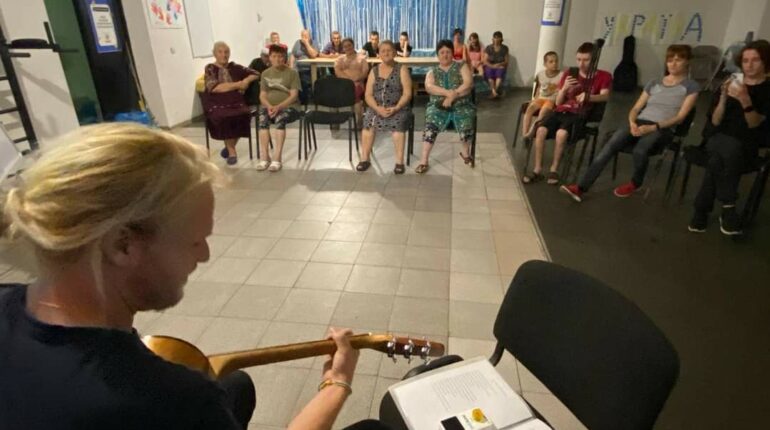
(218, 365)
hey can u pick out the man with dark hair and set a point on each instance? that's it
(569, 101)
(373, 45)
(333, 49)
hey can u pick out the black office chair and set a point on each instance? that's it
(595, 350)
(203, 95)
(586, 129)
(698, 156)
(672, 142)
(335, 93)
(410, 135)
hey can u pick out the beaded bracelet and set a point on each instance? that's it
(342, 384)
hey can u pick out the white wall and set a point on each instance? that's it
(746, 15)
(164, 60)
(519, 21)
(41, 76)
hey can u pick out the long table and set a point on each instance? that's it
(329, 62)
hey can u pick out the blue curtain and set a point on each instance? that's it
(426, 21)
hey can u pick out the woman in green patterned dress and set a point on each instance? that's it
(449, 85)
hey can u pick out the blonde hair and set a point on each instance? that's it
(100, 177)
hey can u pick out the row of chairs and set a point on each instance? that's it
(587, 131)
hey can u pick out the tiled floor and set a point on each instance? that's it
(319, 244)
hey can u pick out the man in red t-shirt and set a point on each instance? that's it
(571, 96)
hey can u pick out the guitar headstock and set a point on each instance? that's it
(405, 346)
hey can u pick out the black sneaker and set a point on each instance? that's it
(730, 222)
(699, 222)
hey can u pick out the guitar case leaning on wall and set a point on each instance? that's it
(626, 76)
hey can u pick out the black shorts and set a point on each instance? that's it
(560, 121)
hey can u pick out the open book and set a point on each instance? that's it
(427, 399)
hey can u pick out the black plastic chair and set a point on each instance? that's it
(585, 129)
(672, 142)
(698, 156)
(334, 93)
(522, 110)
(203, 96)
(595, 350)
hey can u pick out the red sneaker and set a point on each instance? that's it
(625, 190)
(573, 191)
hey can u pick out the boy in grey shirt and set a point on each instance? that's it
(663, 104)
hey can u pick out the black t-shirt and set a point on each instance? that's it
(370, 51)
(55, 377)
(259, 65)
(401, 51)
(734, 121)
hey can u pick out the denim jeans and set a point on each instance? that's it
(619, 140)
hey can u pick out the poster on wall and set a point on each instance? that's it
(553, 12)
(103, 26)
(166, 13)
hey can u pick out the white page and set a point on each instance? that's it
(533, 424)
(427, 399)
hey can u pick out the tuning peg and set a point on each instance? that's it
(391, 346)
(408, 349)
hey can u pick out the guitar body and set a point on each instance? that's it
(216, 366)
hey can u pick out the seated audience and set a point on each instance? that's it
(117, 216)
(475, 53)
(458, 45)
(354, 67)
(224, 105)
(373, 45)
(404, 49)
(304, 48)
(495, 64)
(388, 91)
(546, 87)
(275, 39)
(279, 90)
(569, 101)
(664, 103)
(261, 64)
(449, 84)
(737, 127)
(333, 49)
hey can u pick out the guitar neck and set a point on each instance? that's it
(223, 364)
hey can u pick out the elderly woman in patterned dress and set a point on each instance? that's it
(388, 91)
(224, 105)
(449, 84)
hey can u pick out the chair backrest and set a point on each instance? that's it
(594, 349)
(334, 92)
(683, 127)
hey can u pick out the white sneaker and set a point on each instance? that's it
(275, 166)
(262, 165)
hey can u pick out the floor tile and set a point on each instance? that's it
(473, 287)
(384, 233)
(267, 228)
(308, 306)
(434, 204)
(432, 219)
(361, 199)
(424, 283)
(472, 320)
(466, 221)
(307, 230)
(377, 254)
(326, 276)
(277, 273)
(255, 302)
(474, 261)
(229, 270)
(284, 333)
(336, 252)
(422, 257)
(219, 244)
(293, 249)
(319, 213)
(277, 408)
(393, 217)
(373, 279)
(478, 240)
(282, 211)
(431, 237)
(232, 225)
(429, 316)
(204, 298)
(231, 334)
(250, 247)
(363, 310)
(330, 198)
(509, 222)
(347, 231)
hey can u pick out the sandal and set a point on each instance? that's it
(468, 159)
(553, 178)
(262, 165)
(422, 168)
(275, 166)
(232, 161)
(399, 169)
(531, 178)
(224, 153)
(363, 166)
